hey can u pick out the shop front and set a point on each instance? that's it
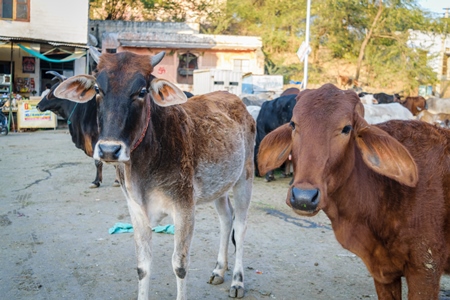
(23, 76)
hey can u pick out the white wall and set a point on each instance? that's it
(433, 43)
(52, 20)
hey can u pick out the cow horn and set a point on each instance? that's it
(58, 76)
(156, 59)
(94, 53)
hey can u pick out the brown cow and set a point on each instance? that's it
(384, 187)
(415, 104)
(172, 154)
(290, 91)
(346, 82)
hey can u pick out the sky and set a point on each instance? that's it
(435, 5)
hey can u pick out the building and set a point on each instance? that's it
(186, 49)
(437, 47)
(41, 35)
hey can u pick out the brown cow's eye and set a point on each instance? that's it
(292, 124)
(97, 90)
(346, 130)
(142, 93)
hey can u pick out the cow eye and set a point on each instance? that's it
(292, 124)
(97, 90)
(142, 93)
(346, 130)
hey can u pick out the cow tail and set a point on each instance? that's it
(233, 240)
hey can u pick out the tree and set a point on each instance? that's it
(126, 10)
(376, 34)
(153, 10)
(280, 24)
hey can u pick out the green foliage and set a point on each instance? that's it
(151, 10)
(280, 24)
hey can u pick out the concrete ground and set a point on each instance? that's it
(54, 240)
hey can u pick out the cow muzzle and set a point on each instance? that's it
(111, 152)
(304, 201)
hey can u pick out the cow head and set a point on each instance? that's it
(49, 101)
(328, 137)
(123, 87)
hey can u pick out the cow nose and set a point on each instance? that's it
(109, 151)
(306, 200)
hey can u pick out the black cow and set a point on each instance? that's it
(273, 114)
(382, 97)
(188, 94)
(81, 120)
(385, 98)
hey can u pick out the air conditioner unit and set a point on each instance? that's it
(5, 79)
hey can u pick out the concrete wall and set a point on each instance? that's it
(98, 28)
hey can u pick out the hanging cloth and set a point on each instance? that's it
(71, 57)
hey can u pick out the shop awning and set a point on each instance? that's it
(71, 57)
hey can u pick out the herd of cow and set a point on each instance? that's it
(381, 176)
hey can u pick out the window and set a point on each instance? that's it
(241, 65)
(5, 67)
(187, 63)
(17, 10)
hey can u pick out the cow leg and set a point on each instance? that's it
(391, 291)
(270, 176)
(184, 219)
(242, 192)
(116, 181)
(225, 211)
(424, 282)
(98, 175)
(142, 239)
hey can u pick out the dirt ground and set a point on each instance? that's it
(54, 240)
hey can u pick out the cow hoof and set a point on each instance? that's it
(216, 279)
(116, 183)
(236, 292)
(94, 185)
(269, 179)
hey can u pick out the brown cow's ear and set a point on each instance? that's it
(165, 93)
(359, 108)
(274, 149)
(78, 88)
(385, 155)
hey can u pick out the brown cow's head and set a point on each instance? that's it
(327, 137)
(123, 86)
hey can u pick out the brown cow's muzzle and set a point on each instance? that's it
(304, 201)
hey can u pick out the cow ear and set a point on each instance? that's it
(385, 155)
(359, 109)
(274, 149)
(78, 88)
(165, 93)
